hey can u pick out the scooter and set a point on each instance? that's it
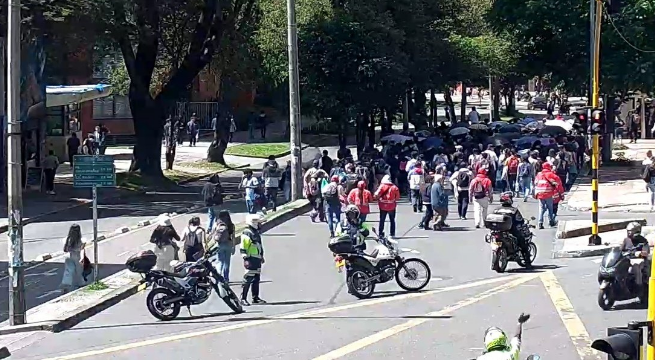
(617, 282)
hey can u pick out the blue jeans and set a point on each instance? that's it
(525, 186)
(333, 214)
(223, 257)
(362, 217)
(571, 180)
(212, 214)
(392, 222)
(250, 206)
(546, 204)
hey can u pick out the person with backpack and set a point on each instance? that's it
(193, 240)
(461, 180)
(251, 184)
(362, 198)
(439, 201)
(525, 174)
(271, 175)
(332, 203)
(648, 176)
(561, 164)
(212, 196)
(427, 199)
(546, 185)
(225, 238)
(512, 166)
(387, 195)
(481, 195)
(416, 178)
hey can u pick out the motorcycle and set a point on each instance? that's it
(504, 245)
(364, 271)
(617, 282)
(191, 283)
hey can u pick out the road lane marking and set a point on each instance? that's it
(395, 330)
(123, 253)
(574, 326)
(311, 313)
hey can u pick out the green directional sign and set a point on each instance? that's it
(94, 170)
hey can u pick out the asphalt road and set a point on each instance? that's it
(311, 316)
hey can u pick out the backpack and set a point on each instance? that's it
(478, 191)
(217, 195)
(363, 172)
(331, 194)
(313, 188)
(512, 165)
(561, 165)
(192, 243)
(463, 180)
(351, 182)
(524, 171)
(648, 173)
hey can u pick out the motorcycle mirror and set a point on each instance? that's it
(534, 357)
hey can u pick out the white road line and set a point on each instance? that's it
(123, 253)
(597, 261)
(146, 245)
(311, 313)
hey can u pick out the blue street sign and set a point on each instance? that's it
(94, 170)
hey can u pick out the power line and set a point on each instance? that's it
(623, 37)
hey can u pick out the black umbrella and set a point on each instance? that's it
(553, 131)
(509, 129)
(459, 125)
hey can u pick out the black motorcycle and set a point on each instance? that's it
(505, 246)
(617, 282)
(191, 283)
(364, 271)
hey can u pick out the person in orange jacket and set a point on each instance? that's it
(361, 197)
(547, 185)
(387, 195)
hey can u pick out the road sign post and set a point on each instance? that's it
(93, 171)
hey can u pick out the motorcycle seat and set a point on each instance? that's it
(168, 273)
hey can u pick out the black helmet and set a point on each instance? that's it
(352, 213)
(507, 198)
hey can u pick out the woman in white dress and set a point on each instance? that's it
(164, 237)
(73, 247)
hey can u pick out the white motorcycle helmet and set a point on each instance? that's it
(633, 228)
(253, 220)
(495, 339)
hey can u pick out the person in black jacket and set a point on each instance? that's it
(212, 195)
(429, 212)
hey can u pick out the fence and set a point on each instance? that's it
(205, 112)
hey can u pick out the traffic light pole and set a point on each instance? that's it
(595, 154)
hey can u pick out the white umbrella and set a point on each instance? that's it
(396, 138)
(459, 131)
(561, 123)
(479, 127)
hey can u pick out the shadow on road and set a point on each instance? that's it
(535, 269)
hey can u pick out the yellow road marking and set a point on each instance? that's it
(574, 326)
(216, 330)
(377, 337)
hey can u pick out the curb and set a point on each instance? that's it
(112, 298)
(592, 251)
(282, 154)
(562, 233)
(202, 176)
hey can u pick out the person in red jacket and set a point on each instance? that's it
(481, 195)
(361, 197)
(387, 195)
(547, 185)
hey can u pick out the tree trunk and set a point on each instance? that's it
(420, 100)
(371, 130)
(148, 121)
(462, 112)
(511, 100)
(433, 109)
(343, 133)
(361, 132)
(495, 93)
(450, 105)
(216, 150)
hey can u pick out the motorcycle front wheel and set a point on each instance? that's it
(413, 270)
(359, 284)
(606, 298)
(231, 300)
(157, 309)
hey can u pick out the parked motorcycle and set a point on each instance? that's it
(191, 283)
(617, 282)
(504, 245)
(364, 271)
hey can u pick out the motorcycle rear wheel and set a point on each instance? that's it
(499, 260)
(157, 309)
(359, 285)
(410, 271)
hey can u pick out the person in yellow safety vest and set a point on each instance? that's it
(252, 252)
(354, 227)
(496, 345)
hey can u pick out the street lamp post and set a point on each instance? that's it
(294, 103)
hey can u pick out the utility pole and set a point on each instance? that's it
(491, 100)
(14, 169)
(294, 103)
(595, 239)
(592, 40)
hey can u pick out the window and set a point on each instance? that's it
(112, 107)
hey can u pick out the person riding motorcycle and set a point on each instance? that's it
(496, 346)
(518, 224)
(641, 260)
(354, 227)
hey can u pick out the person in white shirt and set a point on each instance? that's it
(474, 116)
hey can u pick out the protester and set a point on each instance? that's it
(547, 185)
(361, 197)
(427, 199)
(331, 196)
(74, 250)
(416, 178)
(212, 195)
(525, 175)
(164, 237)
(387, 195)
(439, 202)
(461, 180)
(193, 240)
(481, 194)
